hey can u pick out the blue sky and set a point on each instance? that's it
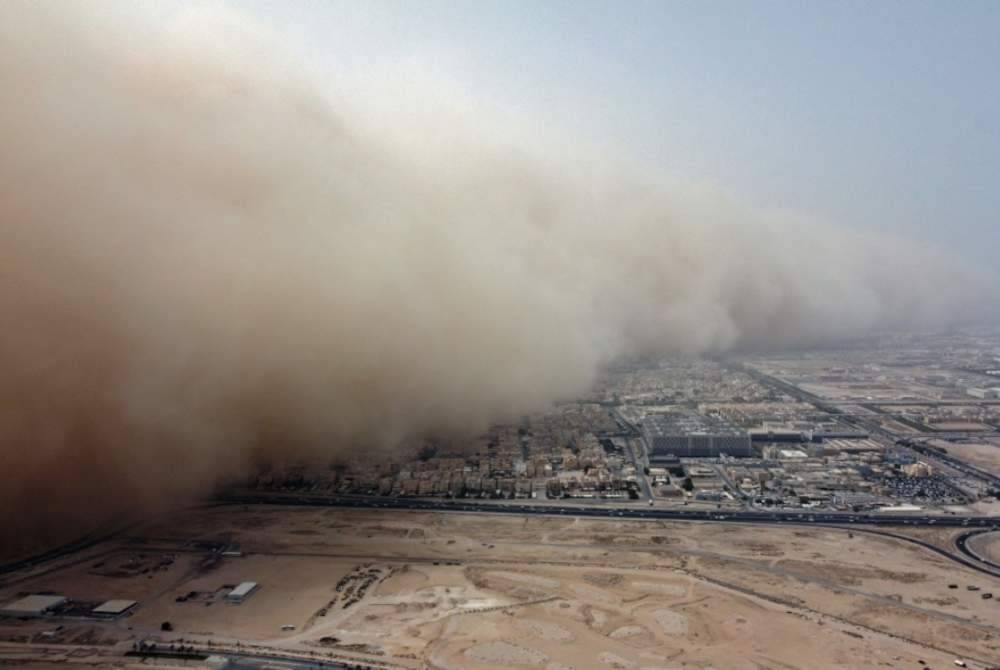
(880, 115)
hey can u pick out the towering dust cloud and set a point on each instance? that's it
(206, 257)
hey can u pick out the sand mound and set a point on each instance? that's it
(615, 661)
(626, 631)
(546, 630)
(533, 580)
(670, 622)
(660, 588)
(505, 653)
(594, 594)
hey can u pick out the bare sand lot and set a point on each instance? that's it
(986, 545)
(450, 591)
(292, 590)
(984, 455)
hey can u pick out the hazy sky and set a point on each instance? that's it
(870, 114)
(249, 264)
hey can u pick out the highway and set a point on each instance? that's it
(961, 543)
(976, 563)
(474, 506)
(264, 660)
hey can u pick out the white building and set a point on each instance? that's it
(241, 592)
(113, 608)
(984, 393)
(34, 605)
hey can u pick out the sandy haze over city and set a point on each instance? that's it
(209, 254)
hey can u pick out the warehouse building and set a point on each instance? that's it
(778, 433)
(33, 605)
(693, 435)
(113, 608)
(241, 592)
(984, 393)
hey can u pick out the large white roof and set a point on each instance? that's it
(242, 589)
(113, 607)
(34, 604)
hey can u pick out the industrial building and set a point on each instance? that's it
(33, 605)
(779, 432)
(805, 431)
(241, 592)
(693, 435)
(113, 608)
(992, 393)
(852, 446)
(834, 430)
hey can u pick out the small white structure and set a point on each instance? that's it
(113, 608)
(984, 393)
(900, 508)
(34, 605)
(241, 592)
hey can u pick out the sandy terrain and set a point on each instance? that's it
(987, 546)
(985, 455)
(291, 591)
(469, 592)
(670, 622)
(505, 654)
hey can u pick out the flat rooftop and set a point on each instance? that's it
(32, 605)
(242, 590)
(661, 425)
(114, 607)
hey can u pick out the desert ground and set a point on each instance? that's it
(985, 455)
(444, 591)
(987, 545)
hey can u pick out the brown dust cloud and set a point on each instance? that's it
(208, 255)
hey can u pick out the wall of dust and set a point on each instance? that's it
(208, 256)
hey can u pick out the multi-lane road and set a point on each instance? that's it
(841, 520)
(962, 544)
(613, 511)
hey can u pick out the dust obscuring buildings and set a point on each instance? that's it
(209, 255)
